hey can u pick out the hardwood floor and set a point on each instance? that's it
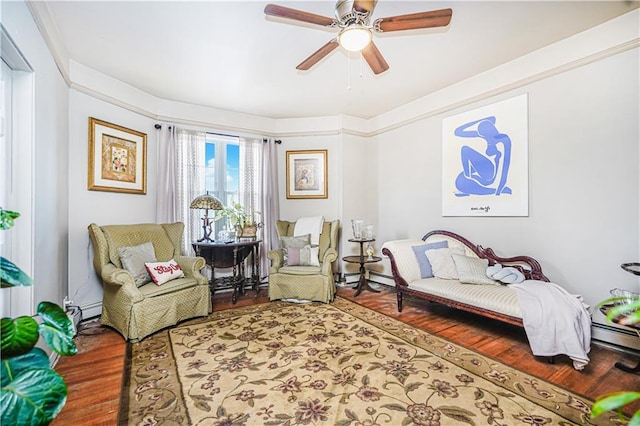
(94, 375)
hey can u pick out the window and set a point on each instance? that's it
(228, 167)
(222, 171)
(222, 167)
(16, 170)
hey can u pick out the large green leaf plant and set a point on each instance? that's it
(626, 312)
(32, 393)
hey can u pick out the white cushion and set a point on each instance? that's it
(162, 272)
(442, 262)
(301, 256)
(472, 270)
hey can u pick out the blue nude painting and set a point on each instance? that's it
(484, 173)
(484, 167)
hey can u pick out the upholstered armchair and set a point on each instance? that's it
(305, 282)
(136, 310)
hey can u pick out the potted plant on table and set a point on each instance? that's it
(238, 220)
(32, 393)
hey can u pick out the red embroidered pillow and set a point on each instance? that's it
(162, 272)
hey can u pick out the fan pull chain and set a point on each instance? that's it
(348, 71)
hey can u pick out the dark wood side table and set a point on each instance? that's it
(363, 284)
(231, 254)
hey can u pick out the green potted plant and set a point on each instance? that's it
(31, 392)
(626, 312)
(234, 215)
(239, 220)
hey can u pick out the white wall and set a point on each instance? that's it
(51, 160)
(360, 194)
(102, 208)
(584, 178)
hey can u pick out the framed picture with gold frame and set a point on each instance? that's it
(307, 174)
(117, 158)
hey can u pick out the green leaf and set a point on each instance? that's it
(18, 336)
(11, 367)
(635, 420)
(12, 276)
(6, 218)
(56, 329)
(612, 401)
(34, 397)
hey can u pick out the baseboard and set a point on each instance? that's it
(379, 278)
(615, 337)
(91, 310)
(372, 276)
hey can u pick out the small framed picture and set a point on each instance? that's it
(117, 158)
(307, 174)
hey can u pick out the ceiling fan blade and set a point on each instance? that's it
(412, 21)
(374, 58)
(365, 5)
(297, 15)
(317, 55)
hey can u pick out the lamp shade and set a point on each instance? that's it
(206, 201)
(354, 38)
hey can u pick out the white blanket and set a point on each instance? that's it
(555, 321)
(309, 225)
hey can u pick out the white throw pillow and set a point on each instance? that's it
(472, 270)
(442, 263)
(162, 272)
(133, 260)
(304, 256)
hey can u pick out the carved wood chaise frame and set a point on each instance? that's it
(527, 265)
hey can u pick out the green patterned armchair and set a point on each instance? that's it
(137, 312)
(305, 282)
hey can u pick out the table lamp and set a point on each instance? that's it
(206, 202)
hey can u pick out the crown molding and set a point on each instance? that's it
(608, 39)
(42, 17)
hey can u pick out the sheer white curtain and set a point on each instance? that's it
(189, 182)
(250, 185)
(255, 191)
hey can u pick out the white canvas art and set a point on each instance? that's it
(485, 161)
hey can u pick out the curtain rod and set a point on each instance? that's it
(158, 126)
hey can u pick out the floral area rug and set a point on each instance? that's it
(280, 363)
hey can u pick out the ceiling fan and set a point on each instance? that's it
(353, 18)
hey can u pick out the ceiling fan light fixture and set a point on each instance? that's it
(354, 38)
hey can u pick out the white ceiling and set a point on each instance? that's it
(228, 55)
